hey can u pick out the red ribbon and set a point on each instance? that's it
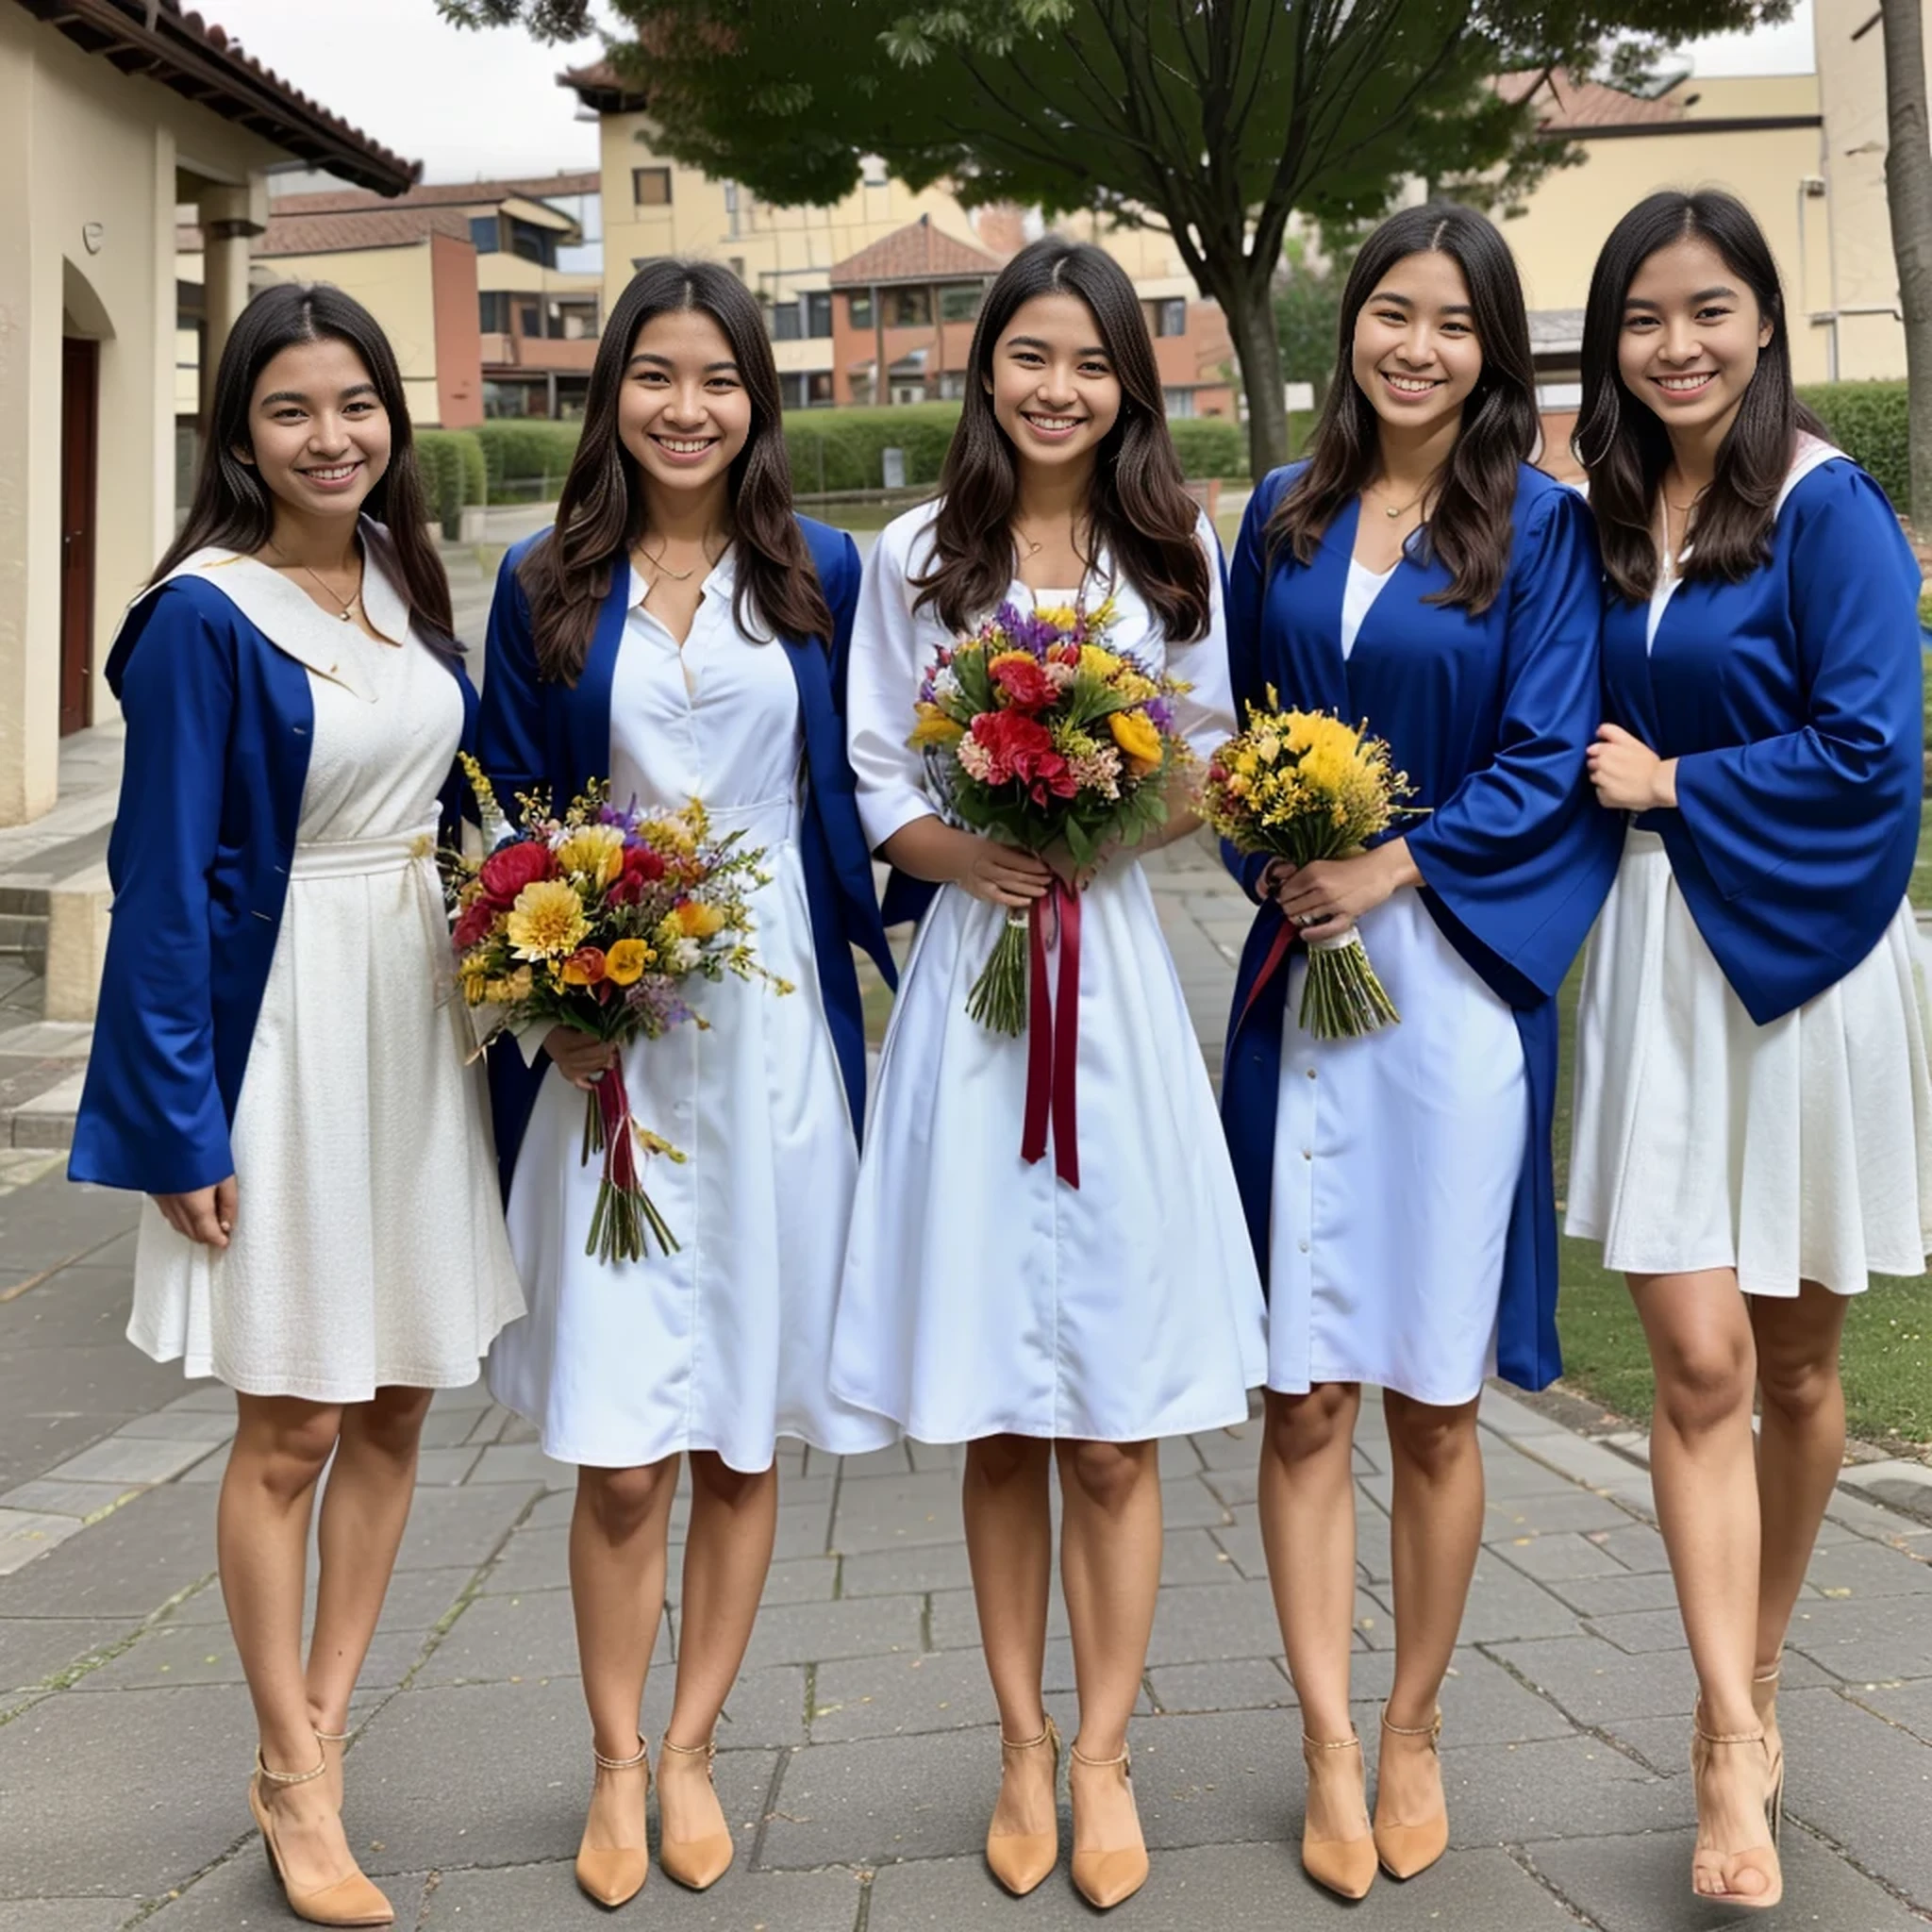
(620, 1149)
(1284, 941)
(1053, 1037)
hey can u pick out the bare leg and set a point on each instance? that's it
(1306, 1496)
(726, 1554)
(1110, 1571)
(1704, 1474)
(618, 1533)
(1009, 1546)
(365, 1509)
(261, 1535)
(1801, 1445)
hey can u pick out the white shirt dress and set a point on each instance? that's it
(1396, 1162)
(368, 1250)
(720, 1346)
(982, 1294)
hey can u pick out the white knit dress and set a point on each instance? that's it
(369, 1248)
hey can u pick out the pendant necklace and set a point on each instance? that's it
(346, 612)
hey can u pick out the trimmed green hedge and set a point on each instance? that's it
(1209, 446)
(1867, 419)
(527, 456)
(454, 473)
(843, 449)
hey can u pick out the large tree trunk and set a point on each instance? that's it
(1908, 195)
(1250, 311)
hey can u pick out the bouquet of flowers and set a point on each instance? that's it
(1302, 786)
(592, 919)
(1037, 734)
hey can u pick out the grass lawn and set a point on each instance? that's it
(1888, 1343)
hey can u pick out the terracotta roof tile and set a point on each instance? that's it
(918, 252)
(158, 41)
(1564, 106)
(440, 194)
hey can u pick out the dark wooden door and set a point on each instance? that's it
(80, 372)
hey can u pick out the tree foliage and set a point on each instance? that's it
(1211, 119)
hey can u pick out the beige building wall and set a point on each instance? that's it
(1556, 237)
(95, 162)
(1860, 305)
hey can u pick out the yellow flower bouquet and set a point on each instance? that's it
(594, 920)
(1302, 786)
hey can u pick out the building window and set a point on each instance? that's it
(908, 308)
(650, 186)
(531, 318)
(575, 321)
(1177, 402)
(1168, 316)
(817, 304)
(792, 388)
(492, 312)
(818, 392)
(960, 303)
(873, 171)
(731, 208)
(736, 264)
(953, 386)
(484, 234)
(905, 393)
(785, 323)
(502, 399)
(529, 243)
(858, 311)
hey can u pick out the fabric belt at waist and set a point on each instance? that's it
(349, 858)
(769, 821)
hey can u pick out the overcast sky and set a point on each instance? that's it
(486, 103)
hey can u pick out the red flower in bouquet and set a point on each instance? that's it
(642, 869)
(585, 967)
(1024, 681)
(508, 871)
(1015, 747)
(473, 922)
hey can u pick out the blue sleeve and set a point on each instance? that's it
(1823, 803)
(1520, 853)
(510, 733)
(1247, 584)
(151, 1116)
(841, 594)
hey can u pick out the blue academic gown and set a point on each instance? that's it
(1791, 702)
(536, 732)
(220, 727)
(1489, 716)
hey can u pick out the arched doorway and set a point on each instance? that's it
(84, 323)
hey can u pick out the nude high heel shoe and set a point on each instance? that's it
(1407, 1849)
(1345, 1866)
(351, 1901)
(1021, 1859)
(1763, 1859)
(695, 1863)
(1105, 1878)
(612, 1875)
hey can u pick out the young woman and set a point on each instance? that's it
(1754, 1115)
(1415, 572)
(986, 1300)
(276, 1061)
(682, 633)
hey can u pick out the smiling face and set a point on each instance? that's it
(1053, 385)
(684, 413)
(1690, 339)
(318, 431)
(1415, 353)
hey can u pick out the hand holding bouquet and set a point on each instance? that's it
(593, 920)
(1302, 786)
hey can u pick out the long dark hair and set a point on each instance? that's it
(234, 508)
(1137, 505)
(1469, 526)
(600, 514)
(1627, 449)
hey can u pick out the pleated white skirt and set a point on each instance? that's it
(1799, 1151)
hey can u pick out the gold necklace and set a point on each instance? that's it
(1394, 511)
(346, 612)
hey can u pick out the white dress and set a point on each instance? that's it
(1797, 1151)
(1396, 1162)
(982, 1295)
(368, 1249)
(720, 1346)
